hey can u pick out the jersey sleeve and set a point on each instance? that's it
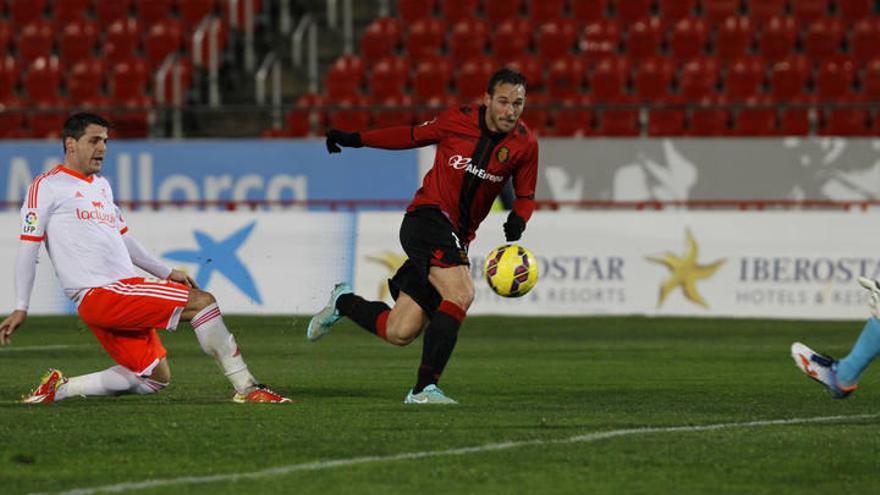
(525, 180)
(405, 137)
(35, 212)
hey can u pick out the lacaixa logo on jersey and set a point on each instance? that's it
(685, 271)
(503, 154)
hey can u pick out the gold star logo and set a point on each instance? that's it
(685, 272)
(391, 261)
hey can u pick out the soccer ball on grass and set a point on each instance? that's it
(511, 270)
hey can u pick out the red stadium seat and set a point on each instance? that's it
(844, 121)
(719, 10)
(565, 77)
(413, 10)
(127, 79)
(600, 40)
(380, 39)
(673, 11)
(758, 118)
(78, 40)
(425, 37)
(345, 77)
(574, 117)
(644, 38)
(431, 80)
(11, 119)
(619, 121)
(45, 120)
(163, 39)
(5, 37)
(688, 38)
(653, 79)
(133, 121)
(854, 10)
(587, 11)
(456, 10)
(555, 39)
(501, 10)
(67, 11)
(121, 40)
(734, 38)
(535, 115)
(795, 121)
(710, 118)
(629, 11)
(546, 10)
(26, 11)
(36, 40)
(745, 76)
(85, 80)
(306, 118)
(870, 80)
(823, 38)
(109, 11)
(834, 80)
(193, 11)
(608, 80)
(435, 105)
(761, 11)
(511, 38)
(153, 11)
(395, 111)
(388, 77)
(42, 79)
(532, 68)
(472, 78)
(467, 40)
(788, 78)
(9, 73)
(778, 38)
(698, 79)
(865, 41)
(806, 11)
(670, 121)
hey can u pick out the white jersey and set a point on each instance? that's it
(81, 226)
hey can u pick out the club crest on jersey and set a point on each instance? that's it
(503, 154)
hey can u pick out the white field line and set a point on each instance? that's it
(489, 447)
(29, 348)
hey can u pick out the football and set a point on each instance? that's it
(511, 270)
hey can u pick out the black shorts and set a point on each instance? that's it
(428, 239)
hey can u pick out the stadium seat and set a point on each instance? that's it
(413, 10)
(619, 121)
(600, 40)
(431, 80)
(806, 11)
(121, 40)
(745, 76)
(85, 80)
(133, 119)
(472, 78)
(565, 77)
(644, 38)
(456, 10)
(306, 117)
(865, 41)
(588, 11)
(425, 37)
(67, 11)
(434, 105)
(546, 10)
(388, 77)
(719, 10)
(532, 68)
(844, 121)
(393, 111)
(110, 11)
(670, 121)
(761, 11)
(672, 11)
(467, 40)
(653, 79)
(35, 40)
(26, 11)
(734, 38)
(608, 80)
(12, 121)
(511, 38)
(77, 41)
(823, 38)
(778, 38)
(153, 11)
(573, 117)
(345, 76)
(193, 11)
(795, 121)
(162, 39)
(788, 78)
(45, 120)
(758, 118)
(834, 80)
(709, 118)
(854, 10)
(500, 10)
(688, 38)
(871, 80)
(9, 73)
(42, 79)
(380, 39)
(555, 39)
(698, 78)
(127, 79)
(536, 115)
(5, 37)
(629, 11)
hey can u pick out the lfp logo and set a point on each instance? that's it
(30, 222)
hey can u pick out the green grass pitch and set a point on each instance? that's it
(527, 380)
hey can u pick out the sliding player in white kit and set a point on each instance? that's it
(71, 210)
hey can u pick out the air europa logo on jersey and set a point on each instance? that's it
(459, 162)
(97, 216)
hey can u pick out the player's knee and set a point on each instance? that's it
(401, 334)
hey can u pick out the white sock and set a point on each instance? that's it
(216, 341)
(112, 381)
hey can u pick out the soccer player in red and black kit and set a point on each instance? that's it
(478, 148)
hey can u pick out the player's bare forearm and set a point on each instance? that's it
(10, 324)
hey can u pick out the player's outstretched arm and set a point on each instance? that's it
(10, 324)
(337, 138)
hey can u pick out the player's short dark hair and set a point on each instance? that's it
(508, 76)
(75, 125)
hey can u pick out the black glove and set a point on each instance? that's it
(337, 138)
(513, 227)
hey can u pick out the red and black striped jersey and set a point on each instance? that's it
(471, 165)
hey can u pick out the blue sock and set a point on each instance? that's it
(863, 352)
